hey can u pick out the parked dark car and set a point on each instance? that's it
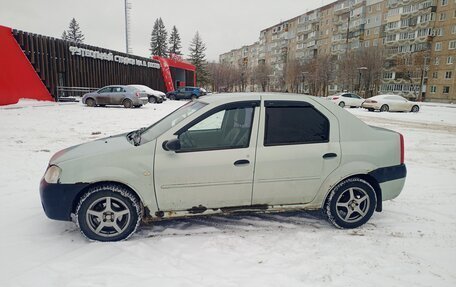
(127, 96)
(186, 93)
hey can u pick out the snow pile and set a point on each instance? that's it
(411, 243)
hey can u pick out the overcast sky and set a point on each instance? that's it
(223, 24)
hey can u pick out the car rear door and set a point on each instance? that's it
(298, 147)
(117, 95)
(214, 167)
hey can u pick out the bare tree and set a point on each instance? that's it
(293, 75)
(261, 74)
(412, 67)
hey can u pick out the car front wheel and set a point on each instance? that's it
(415, 109)
(351, 203)
(172, 97)
(341, 104)
(90, 102)
(152, 100)
(108, 213)
(384, 108)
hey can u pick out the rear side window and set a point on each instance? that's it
(295, 125)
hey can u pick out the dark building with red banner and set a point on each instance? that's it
(38, 67)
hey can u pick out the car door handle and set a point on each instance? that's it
(329, 155)
(241, 162)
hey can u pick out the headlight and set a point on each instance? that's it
(52, 174)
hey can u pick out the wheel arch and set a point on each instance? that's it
(370, 179)
(83, 191)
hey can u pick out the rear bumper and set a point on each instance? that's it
(374, 106)
(58, 199)
(391, 180)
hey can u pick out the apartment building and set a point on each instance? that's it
(418, 38)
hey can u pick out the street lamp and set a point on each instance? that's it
(359, 77)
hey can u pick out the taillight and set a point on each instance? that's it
(401, 139)
(335, 98)
(137, 94)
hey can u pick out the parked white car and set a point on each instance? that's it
(346, 100)
(154, 96)
(223, 154)
(392, 103)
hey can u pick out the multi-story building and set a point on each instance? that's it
(417, 37)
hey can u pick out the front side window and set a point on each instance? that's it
(287, 125)
(224, 129)
(105, 90)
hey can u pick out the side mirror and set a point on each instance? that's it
(172, 145)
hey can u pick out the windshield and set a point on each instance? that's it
(170, 121)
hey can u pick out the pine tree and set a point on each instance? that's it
(158, 46)
(175, 42)
(73, 33)
(198, 59)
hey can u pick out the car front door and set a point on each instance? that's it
(180, 93)
(356, 100)
(298, 147)
(103, 96)
(214, 166)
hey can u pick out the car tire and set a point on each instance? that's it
(108, 213)
(351, 203)
(415, 109)
(384, 108)
(371, 110)
(152, 100)
(90, 102)
(127, 103)
(194, 97)
(342, 104)
(102, 106)
(172, 97)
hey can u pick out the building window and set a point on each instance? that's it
(446, 89)
(366, 44)
(433, 89)
(453, 30)
(442, 17)
(435, 75)
(438, 46)
(448, 74)
(452, 45)
(436, 61)
(388, 75)
(450, 60)
(444, 2)
(375, 43)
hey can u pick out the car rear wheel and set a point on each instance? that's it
(127, 103)
(172, 97)
(90, 102)
(351, 203)
(371, 110)
(415, 109)
(341, 104)
(384, 108)
(152, 100)
(108, 213)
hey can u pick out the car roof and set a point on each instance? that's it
(253, 96)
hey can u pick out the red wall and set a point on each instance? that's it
(18, 78)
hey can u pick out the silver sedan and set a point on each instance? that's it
(116, 95)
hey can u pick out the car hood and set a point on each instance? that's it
(98, 147)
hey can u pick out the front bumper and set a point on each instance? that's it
(58, 200)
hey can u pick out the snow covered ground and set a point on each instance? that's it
(411, 243)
